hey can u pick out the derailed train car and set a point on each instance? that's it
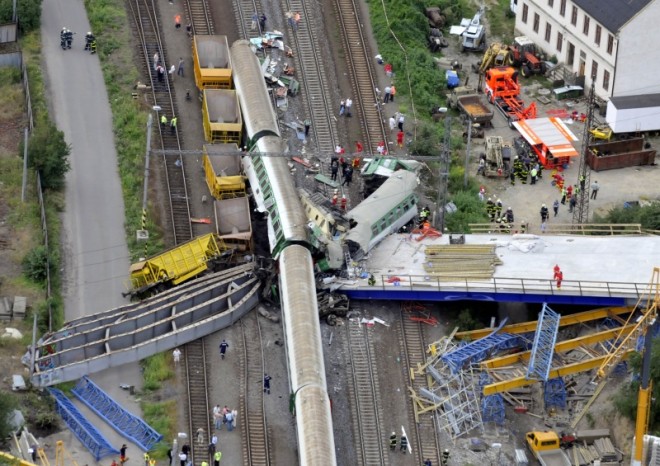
(274, 193)
(389, 208)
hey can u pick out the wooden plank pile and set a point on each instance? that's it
(461, 261)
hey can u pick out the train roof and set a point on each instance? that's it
(385, 166)
(212, 51)
(258, 113)
(395, 189)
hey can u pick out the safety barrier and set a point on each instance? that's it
(507, 285)
(585, 229)
(128, 425)
(84, 431)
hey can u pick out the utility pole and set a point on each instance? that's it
(467, 153)
(443, 175)
(25, 166)
(581, 210)
(143, 233)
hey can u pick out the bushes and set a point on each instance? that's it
(29, 13)
(35, 264)
(48, 153)
(648, 216)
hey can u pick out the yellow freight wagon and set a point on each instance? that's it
(175, 265)
(223, 172)
(221, 115)
(212, 62)
(232, 222)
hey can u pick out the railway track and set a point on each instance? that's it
(424, 432)
(147, 30)
(314, 84)
(367, 417)
(254, 430)
(199, 16)
(243, 11)
(369, 110)
(198, 398)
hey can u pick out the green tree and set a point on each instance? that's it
(29, 13)
(7, 405)
(48, 153)
(626, 399)
(648, 216)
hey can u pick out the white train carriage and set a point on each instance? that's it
(388, 209)
(258, 113)
(305, 356)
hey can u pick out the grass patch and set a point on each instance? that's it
(409, 25)
(501, 22)
(157, 369)
(162, 417)
(110, 24)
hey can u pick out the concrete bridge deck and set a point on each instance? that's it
(598, 270)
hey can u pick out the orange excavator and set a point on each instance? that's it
(502, 90)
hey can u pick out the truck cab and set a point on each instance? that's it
(542, 441)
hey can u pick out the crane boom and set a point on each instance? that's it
(625, 343)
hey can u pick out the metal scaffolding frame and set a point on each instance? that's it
(84, 431)
(492, 408)
(481, 349)
(128, 425)
(456, 397)
(544, 344)
(554, 393)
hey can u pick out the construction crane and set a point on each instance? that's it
(14, 460)
(581, 210)
(62, 457)
(61, 453)
(625, 344)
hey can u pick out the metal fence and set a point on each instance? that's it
(511, 285)
(586, 229)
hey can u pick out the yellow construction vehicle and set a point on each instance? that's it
(497, 54)
(601, 132)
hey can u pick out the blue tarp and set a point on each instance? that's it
(452, 79)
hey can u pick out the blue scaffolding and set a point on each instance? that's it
(544, 344)
(81, 427)
(481, 349)
(492, 408)
(554, 393)
(128, 425)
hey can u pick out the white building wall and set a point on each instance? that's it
(638, 60)
(572, 34)
(630, 120)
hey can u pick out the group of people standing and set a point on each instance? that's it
(347, 167)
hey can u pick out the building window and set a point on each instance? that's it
(560, 41)
(585, 26)
(594, 70)
(548, 32)
(606, 80)
(537, 20)
(562, 8)
(551, 3)
(525, 12)
(610, 44)
(598, 31)
(574, 16)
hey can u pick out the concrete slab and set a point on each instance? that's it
(611, 259)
